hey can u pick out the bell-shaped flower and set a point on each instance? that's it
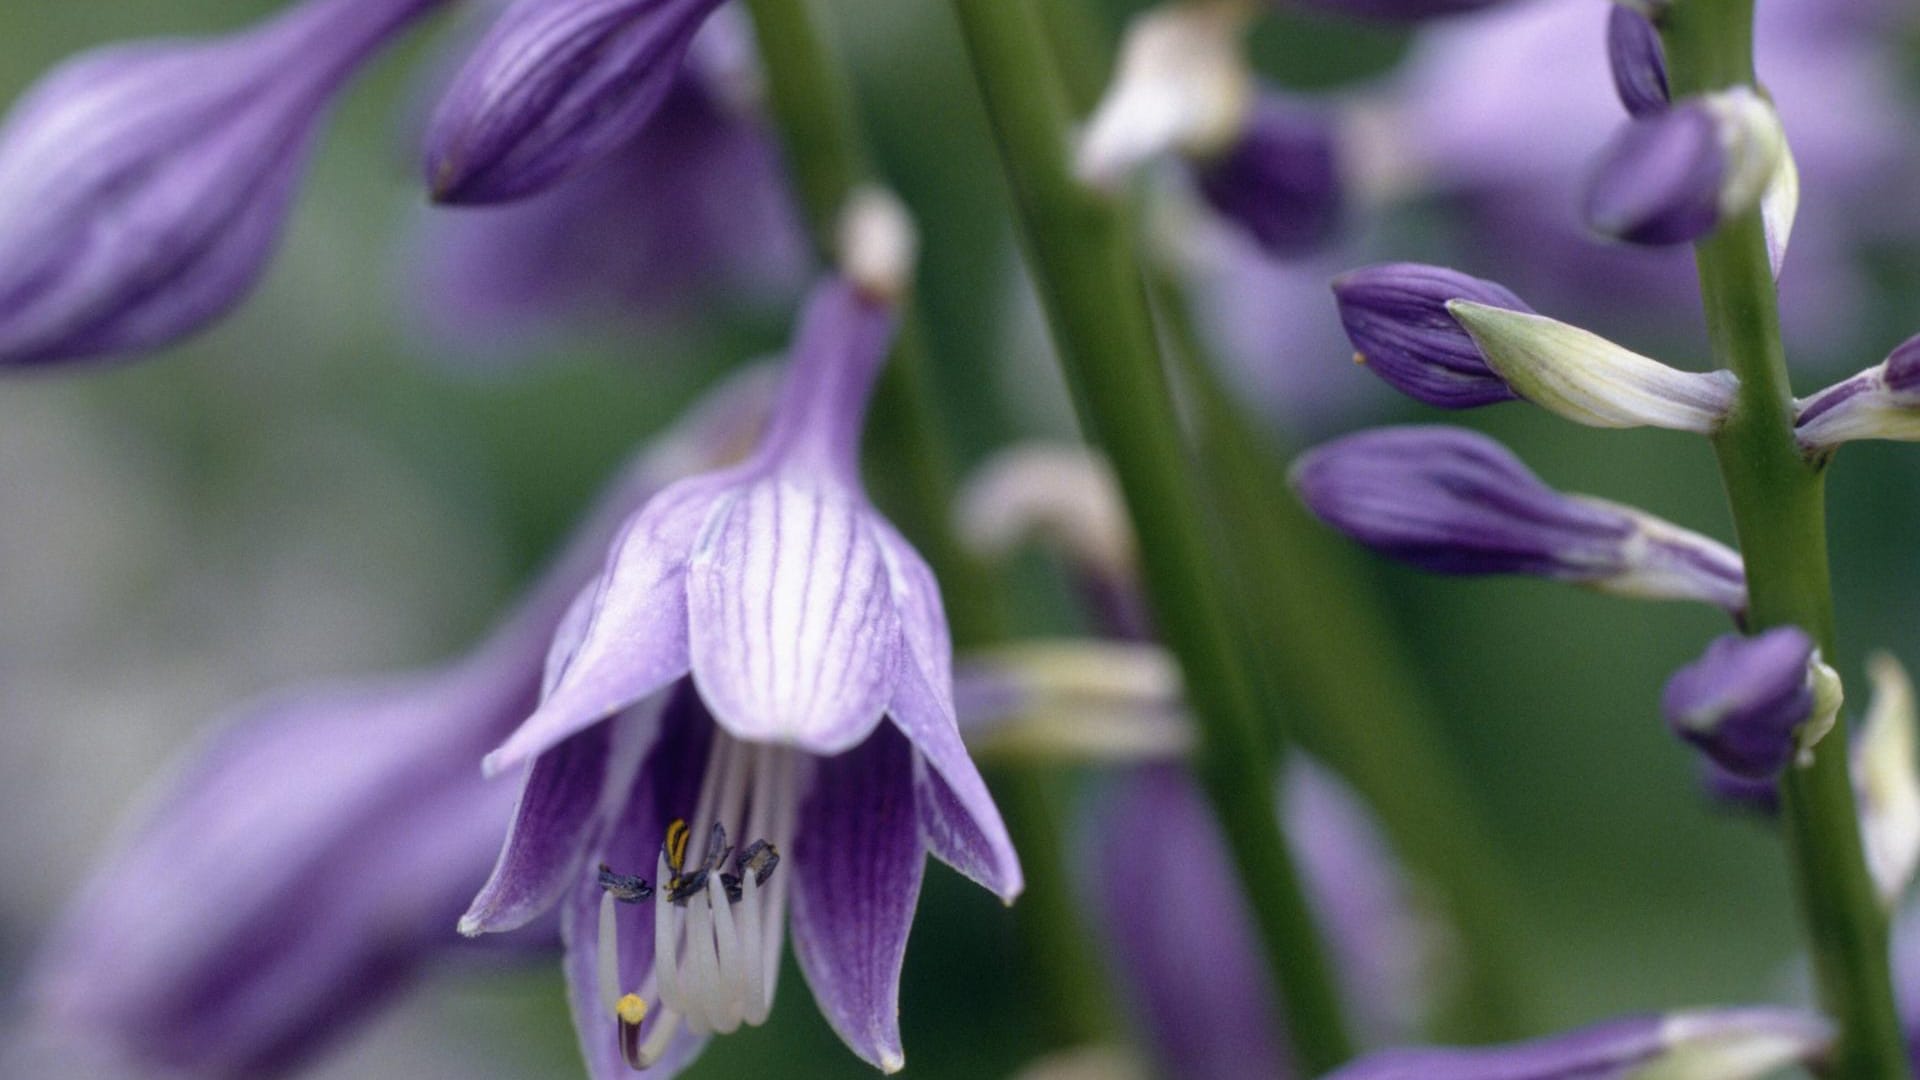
(1882, 402)
(144, 186)
(694, 208)
(1182, 940)
(305, 863)
(555, 86)
(1706, 1044)
(1750, 703)
(1638, 62)
(1886, 779)
(1673, 176)
(1452, 501)
(1396, 315)
(753, 703)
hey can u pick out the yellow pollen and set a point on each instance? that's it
(678, 834)
(631, 1010)
(1360, 358)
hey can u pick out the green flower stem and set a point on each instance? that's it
(827, 158)
(1096, 302)
(1334, 653)
(1779, 512)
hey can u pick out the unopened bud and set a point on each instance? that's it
(1674, 176)
(879, 243)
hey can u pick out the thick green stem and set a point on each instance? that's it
(827, 158)
(1779, 512)
(1102, 326)
(1334, 654)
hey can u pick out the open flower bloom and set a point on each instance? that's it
(1707, 1044)
(753, 703)
(143, 186)
(694, 207)
(1452, 501)
(303, 864)
(554, 87)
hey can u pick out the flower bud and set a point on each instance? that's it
(555, 86)
(1455, 502)
(1639, 66)
(1073, 701)
(1745, 699)
(1396, 316)
(1886, 780)
(1672, 177)
(1707, 1044)
(1590, 380)
(1882, 402)
(1279, 181)
(879, 243)
(144, 186)
(1182, 86)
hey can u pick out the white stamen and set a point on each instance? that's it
(609, 958)
(657, 1040)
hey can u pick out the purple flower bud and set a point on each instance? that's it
(1395, 10)
(1396, 316)
(555, 86)
(1716, 1044)
(1736, 792)
(1658, 181)
(1741, 702)
(1452, 501)
(1882, 402)
(1639, 67)
(1279, 181)
(143, 186)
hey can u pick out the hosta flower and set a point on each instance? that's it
(1396, 316)
(1673, 176)
(1708, 1044)
(554, 87)
(1882, 402)
(1639, 66)
(143, 186)
(695, 207)
(753, 703)
(302, 865)
(1454, 502)
(1743, 702)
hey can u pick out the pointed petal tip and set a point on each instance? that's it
(891, 1061)
(470, 925)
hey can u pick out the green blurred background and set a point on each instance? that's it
(312, 489)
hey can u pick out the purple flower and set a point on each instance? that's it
(299, 868)
(555, 86)
(1882, 402)
(695, 206)
(1743, 700)
(143, 186)
(1639, 66)
(1718, 1044)
(755, 700)
(1454, 502)
(1183, 942)
(1659, 180)
(1396, 316)
(1279, 180)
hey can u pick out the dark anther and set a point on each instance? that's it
(625, 888)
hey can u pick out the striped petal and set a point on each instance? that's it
(861, 859)
(791, 618)
(635, 641)
(958, 820)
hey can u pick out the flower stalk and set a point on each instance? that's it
(827, 159)
(1778, 502)
(1096, 302)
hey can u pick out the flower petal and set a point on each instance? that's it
(636, 641)
(958, 820)
(562, 806)
(791, 617)
(916, 596)
(858, 860)
(667, 785)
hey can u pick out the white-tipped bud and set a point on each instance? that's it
(1063, 495)
(1590, 380)
(1779, 206)
(879, 243)
(1182, 86)
(1089, 701)
(1887, 782)
(1755, 145)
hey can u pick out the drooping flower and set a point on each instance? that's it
(555, 87)
(753, 702)
(695, 207)
(1451, 501)
(144, 186)
(1673, 176)
(1746, 699)
(301, 866)
(1707, 1044)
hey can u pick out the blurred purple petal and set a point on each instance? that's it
(1659, 181)
(1639, 68)
(1280, 180)
(1742, 701)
